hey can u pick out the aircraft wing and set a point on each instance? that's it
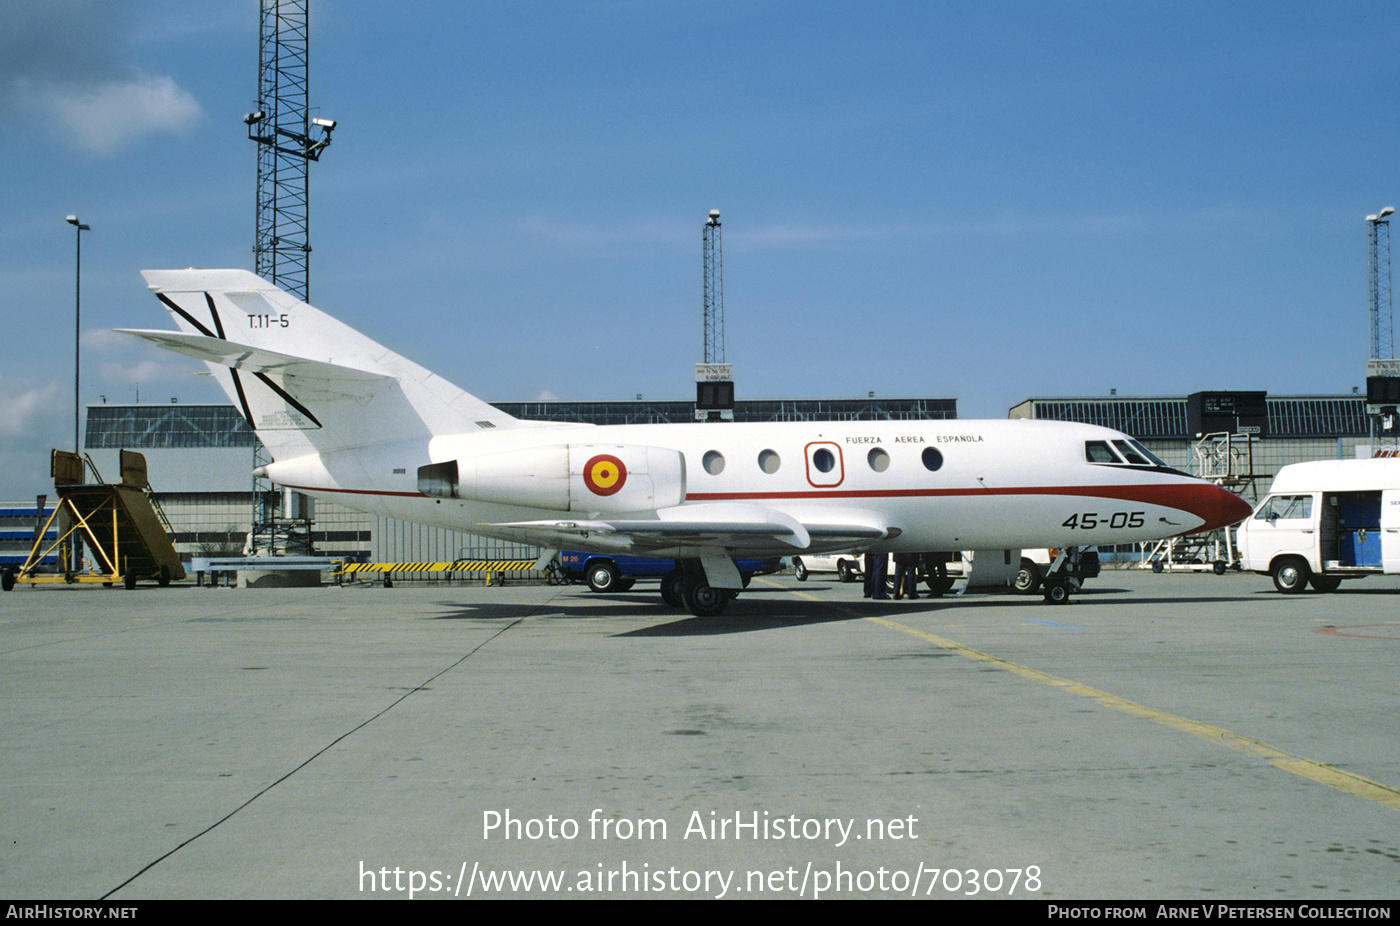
(687, 530)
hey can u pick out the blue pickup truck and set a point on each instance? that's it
(612, 573)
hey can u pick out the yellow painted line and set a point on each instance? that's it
(1320, 772)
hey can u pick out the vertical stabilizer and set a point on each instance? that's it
(306, 382)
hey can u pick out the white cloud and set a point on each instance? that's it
(115, 114)
(146, 371)
(24, 408)
(34, 417)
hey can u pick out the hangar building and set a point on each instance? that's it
(1287, 429)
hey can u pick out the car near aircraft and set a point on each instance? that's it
(610, 572)
(344, 418)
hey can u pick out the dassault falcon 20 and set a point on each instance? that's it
(345, 418)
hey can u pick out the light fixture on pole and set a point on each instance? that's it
(77, 324)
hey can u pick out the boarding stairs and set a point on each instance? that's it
(127, 535)
(1228, 461)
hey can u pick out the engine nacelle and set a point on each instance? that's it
(603, 478)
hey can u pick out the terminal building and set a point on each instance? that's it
(200, 458)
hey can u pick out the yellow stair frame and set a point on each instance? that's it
(123, 527)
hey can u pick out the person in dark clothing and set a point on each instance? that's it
(876, 568)
(906, 575)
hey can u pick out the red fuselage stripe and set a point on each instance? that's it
(1158, 494)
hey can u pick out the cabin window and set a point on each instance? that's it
(933, 460)
(769, 461)
(713, 461)
(878, 460)
(824, 465)
(1285, 508)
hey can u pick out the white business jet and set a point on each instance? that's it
(346, 419)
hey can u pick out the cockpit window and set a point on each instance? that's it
(1130, 454)
(1155, 460)
(1121, 452)
(1098, 451)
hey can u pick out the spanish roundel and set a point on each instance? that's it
(604, 474)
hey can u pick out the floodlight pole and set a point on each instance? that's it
(77, 328)
(1382, 344)
(289, 139)
(75, 555)
(1382, 370)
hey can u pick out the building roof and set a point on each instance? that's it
(1164, 417)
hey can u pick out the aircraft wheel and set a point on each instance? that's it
(1028, 579)
(1291, 575)
(1056, 591)
(1326, 583)
(703, 600)
(939, 587)
(603, 577)
(671, 590)
(801, 571)
(936, 578)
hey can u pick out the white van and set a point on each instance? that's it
(1324, 522)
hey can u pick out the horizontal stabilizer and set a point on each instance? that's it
(260, 360)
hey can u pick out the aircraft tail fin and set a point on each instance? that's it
(306, 382)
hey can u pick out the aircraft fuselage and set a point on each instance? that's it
(933, 485)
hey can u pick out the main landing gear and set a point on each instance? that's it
(688, 588)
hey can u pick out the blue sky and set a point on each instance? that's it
(990, 200)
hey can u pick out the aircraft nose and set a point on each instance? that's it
(1228, 508)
